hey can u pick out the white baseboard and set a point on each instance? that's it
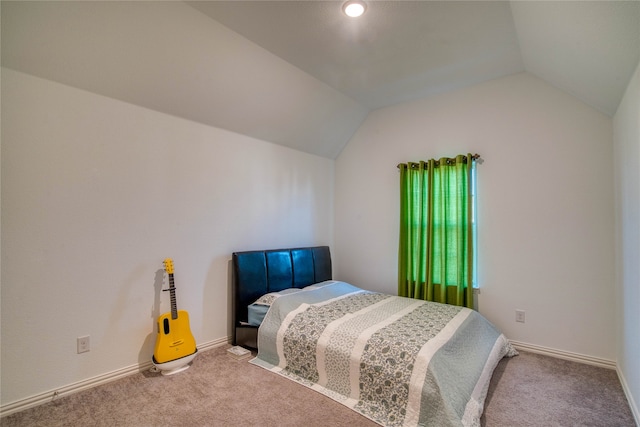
(213, 344)
(580, 358)
(51, 395)
(627, 393)
(566, 355)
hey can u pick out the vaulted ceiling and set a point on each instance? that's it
(300, 73)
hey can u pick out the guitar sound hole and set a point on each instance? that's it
(166, 326)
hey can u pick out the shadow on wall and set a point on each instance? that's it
(146, 351)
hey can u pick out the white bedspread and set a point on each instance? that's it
(398, 361)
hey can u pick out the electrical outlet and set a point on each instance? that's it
(520, 316)
(83, 344)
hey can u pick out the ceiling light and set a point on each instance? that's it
(354, 8)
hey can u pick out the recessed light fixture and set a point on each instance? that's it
(354, 8)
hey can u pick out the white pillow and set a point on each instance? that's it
(268, 299)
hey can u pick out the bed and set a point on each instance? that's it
(397, 361)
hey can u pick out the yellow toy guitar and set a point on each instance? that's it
(174, 335)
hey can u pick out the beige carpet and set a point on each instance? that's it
(527, 390)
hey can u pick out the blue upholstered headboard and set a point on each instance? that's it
(259, 272)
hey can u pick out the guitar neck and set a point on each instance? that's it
(172, 291)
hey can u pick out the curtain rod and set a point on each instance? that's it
(475, 157)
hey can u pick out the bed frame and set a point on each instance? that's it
(259, 272)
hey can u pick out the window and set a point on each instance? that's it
(436, 256)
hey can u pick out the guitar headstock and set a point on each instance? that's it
(168, 265)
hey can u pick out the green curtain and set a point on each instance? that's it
(435, 256)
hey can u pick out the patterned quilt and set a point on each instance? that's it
(397, 361)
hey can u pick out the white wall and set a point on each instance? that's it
(545, 205)
(96, 193)
(626, 133)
